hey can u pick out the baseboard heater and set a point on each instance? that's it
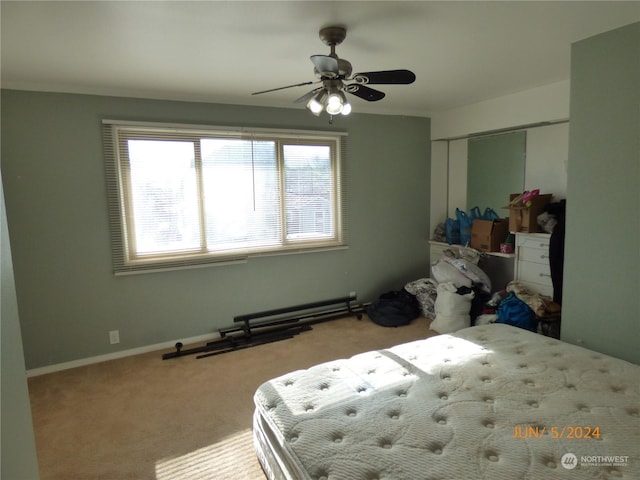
(270, 326)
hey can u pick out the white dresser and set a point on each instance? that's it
(532, 262)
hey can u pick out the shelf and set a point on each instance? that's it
(533, 234)
(493, 254)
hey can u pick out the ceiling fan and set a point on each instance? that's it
(335, 75)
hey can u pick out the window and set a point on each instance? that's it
(190, 195)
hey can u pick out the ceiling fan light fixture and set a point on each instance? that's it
(316, 104)
(346, 106)
(336, 76)
(315, 107)
(334, 104)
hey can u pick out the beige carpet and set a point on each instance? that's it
(142, 417)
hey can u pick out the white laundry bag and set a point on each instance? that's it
(452, 309)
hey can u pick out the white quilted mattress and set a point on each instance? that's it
(488, 402)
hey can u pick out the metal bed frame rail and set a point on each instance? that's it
(270, 326)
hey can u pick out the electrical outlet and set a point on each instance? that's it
(352, 294)
(114, 336)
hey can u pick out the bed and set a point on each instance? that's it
(487, 402)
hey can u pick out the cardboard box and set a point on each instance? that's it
(487, 235)
(525, 219)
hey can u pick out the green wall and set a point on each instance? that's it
(53, 169)
(601, 301)
(18, 460)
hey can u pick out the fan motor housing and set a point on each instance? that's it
(344, 68)
(333, 35)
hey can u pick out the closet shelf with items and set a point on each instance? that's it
(437, 247)
(485, 232)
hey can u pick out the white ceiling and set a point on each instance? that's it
(214, 51)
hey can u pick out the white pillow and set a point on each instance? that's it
(444, 272)
(472, 271)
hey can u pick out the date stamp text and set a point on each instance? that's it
(557, 432)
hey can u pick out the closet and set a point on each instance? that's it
(457, 183)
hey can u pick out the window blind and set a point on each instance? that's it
(184, 195)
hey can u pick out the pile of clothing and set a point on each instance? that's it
(462, 287)
(460, 295)
(517, 305)
(464, 297)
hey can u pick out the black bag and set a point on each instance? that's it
(394, 309)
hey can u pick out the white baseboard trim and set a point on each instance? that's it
(58, 367)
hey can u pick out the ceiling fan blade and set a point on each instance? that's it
(365, 93)
(325, 65)
(388, 77)
(307, 96)
(282, 88)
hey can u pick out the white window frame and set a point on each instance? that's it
(125, 260)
